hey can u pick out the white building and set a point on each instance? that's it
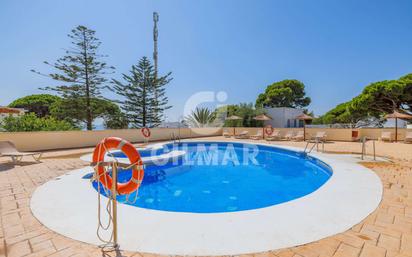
(390, 123)
(173, 124)
(284, 117)
(7, 111)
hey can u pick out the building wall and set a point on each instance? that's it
(281, 115)
(47, 140)
(336, 134)
(4, 114)
(37, 141)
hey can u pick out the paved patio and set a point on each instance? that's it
(386, 232)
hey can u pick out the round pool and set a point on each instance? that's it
(225, 177)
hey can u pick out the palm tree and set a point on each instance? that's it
(200, 117)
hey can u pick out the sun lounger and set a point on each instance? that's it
(289, 135)
(386, 136)
(242, 135)
(274, 136)
(408, 137)
(320, 136)
(226, 133)
(299, 136)
(257, 136)
(8, 149)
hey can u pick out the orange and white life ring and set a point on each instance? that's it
(127, 148)
(145, 132)
(268, 130)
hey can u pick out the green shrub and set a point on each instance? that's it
(30, 122)
(39, 104)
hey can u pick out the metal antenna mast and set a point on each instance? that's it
(155, 33)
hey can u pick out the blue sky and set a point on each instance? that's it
(334, 47)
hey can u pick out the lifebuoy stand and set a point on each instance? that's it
(146, 134)
(112, 197)
(114, 192)
(102, 176)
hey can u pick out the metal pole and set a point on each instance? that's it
(362, 147)
(178, 127)
(114, 202)
(155, 35)
(155, 55)
(396, 130)
(304, 130)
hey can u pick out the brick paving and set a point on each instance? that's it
(386, 232)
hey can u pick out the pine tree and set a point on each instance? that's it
(140, 104)
(83, 76)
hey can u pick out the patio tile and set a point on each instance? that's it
(36, 247)
(406, 243)
(389, 243)
(2, 247)
(18, 249)
(265, 254)
(14, 230)
(61, 243)
(372, 251)
(351, 240)
(305, 251)
(283, 253)
(345, 250)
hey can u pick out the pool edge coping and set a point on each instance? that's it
(39, 205)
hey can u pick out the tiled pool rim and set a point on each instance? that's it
(352, 193)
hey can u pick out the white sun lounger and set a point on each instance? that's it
(8, 149)
(299, 136)
(257, 136)
(226, 133)
(320, 136)
(242, 135)
(386, 136)
(289, 135)
(274, 136)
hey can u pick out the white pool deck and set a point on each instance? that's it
(68, 205)
(158, 159)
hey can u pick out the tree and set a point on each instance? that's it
(336, 115)
(200, 117)
(381, 97)
(376, 100)
(39, 104)
(82, 76)
(105, 109)
(406, 97)
(342, 114)
(139, 90)
(116, 120)
(244, 110)
(285, 93)
(30, 122)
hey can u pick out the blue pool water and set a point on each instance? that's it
(226, 177)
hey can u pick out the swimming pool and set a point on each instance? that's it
(225, 177)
